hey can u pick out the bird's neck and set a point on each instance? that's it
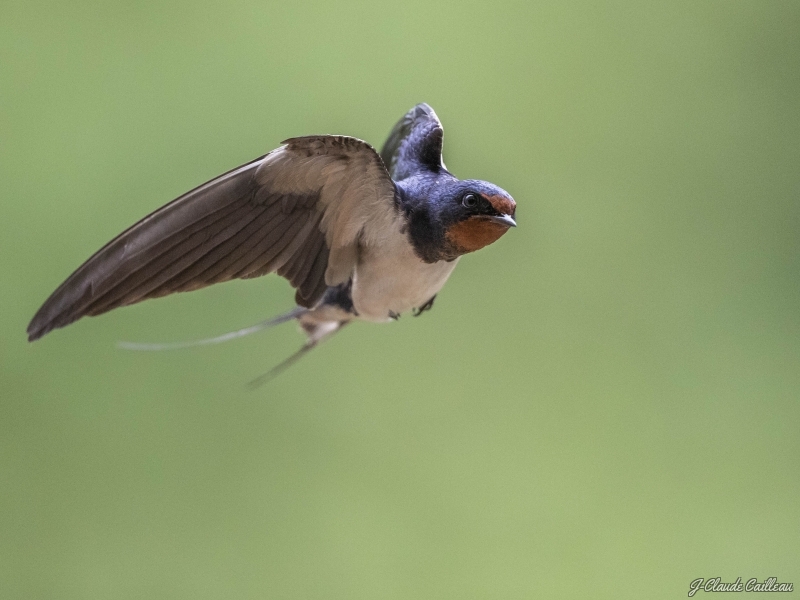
(424, 226)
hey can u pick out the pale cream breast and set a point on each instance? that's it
(392, 279)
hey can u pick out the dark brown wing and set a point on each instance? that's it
(301, 210)
(415, 143)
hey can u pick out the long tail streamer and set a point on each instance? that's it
(292, 314)
(280, 367)
(288, 362)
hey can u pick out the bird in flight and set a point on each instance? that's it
(358, 234)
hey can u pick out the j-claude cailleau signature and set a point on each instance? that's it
(715, 584)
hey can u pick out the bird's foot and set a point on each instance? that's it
(427, 306)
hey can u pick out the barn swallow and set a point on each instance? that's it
(360, 235)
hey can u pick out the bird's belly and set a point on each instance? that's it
(391, 285)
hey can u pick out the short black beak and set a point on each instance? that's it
(506, 220)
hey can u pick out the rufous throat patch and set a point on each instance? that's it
(474, 233)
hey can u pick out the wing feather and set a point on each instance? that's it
(415, 143)
(138, 284)
(301, 210)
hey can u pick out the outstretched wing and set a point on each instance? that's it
(301, 210)
(415, 143)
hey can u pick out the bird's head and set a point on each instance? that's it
(475, 214)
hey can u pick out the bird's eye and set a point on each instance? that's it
(470, 201)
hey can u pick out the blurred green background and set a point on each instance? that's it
(604, 404)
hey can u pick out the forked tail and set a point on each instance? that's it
(316, 330)
(225, 337)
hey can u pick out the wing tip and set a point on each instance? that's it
(64, 306)
(416, 139)
(424, 109)
(41, 325)
(37, 329)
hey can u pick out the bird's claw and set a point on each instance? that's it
(427, 306)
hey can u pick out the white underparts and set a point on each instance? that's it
(392, 279)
